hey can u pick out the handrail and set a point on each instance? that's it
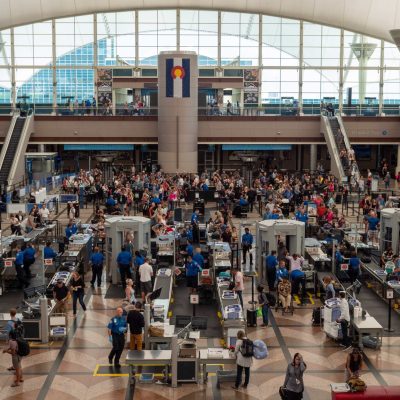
(333, 144)
(8, 138)
(23, 141)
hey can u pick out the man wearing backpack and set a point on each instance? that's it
(244, 351)
(15, 357)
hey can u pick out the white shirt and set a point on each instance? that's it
(145, 272)
(239, 281)
(344, 310)
(44, 213)
(295, 263)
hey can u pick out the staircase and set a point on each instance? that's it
(10, 152)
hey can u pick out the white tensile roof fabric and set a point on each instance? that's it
(370, 17)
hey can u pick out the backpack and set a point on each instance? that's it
(271, 299)
(247, 348)
(19, 328)
(357, 385)
(23, 348)
(260, 349)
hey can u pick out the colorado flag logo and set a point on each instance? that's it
(178, 77)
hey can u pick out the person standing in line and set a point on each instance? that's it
(116, 333)
(195, 226)
(294, 385)
(15, 357)
(78, 291)
(97, 260)
(344, 320)
(263, 303)
(271, 263)
(124, 260)
(135, 321)
(239, 285)
(247, 242)
(130, 292)
(242, 362)
(146, 274)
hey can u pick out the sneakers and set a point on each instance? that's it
(110, 360)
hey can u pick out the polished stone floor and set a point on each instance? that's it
(67, 370)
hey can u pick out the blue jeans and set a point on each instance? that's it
(265, 310)
(78, 295)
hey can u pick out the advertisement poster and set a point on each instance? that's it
(251, 82)
(104, 85)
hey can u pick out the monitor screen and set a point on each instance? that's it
(232, 341)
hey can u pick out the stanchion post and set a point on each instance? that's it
(389, 296)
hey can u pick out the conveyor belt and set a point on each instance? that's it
(164, 282)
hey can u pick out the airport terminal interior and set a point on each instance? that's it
(199, 200)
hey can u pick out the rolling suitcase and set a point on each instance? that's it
(252, 317)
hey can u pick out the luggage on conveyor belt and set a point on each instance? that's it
(252, 317)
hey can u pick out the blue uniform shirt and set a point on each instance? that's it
(199, 259)
(338, 256)
(271, 261)
(29, 253)
(194, 219)
(48, 252)
(274, 216)
(189, 249)
(243, 202)
(192, 268)
(139, 260)
(247, 239)
(297, 274)
(372, 223)
(19, 258)
(68, 232)
(117, 325)
(110, 202)
(302, 217)
(124, 258)
(97, 258)
(282, 273)
(354, 263)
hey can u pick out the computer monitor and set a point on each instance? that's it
(199, 323)
(182, 320)
(232, 341)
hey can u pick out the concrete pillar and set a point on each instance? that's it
(41, 148)
(313, 157)
(398, 160)
(298, 158)
(177, 115)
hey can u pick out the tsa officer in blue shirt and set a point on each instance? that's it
(192, 271)
(247, 241)
(29, 259)
(354, 267)
(271, 263)
(195, 226)
(198, 257)
(302, 216)
(97, 260)
(116, 331)
(70, 230)
(124, 260)
(48, 252)
(19, 268)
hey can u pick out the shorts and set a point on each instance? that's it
(191, 281)
(16, 361)
(373, 235)
(146, 287)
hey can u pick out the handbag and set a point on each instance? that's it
(231, 285)
(283, 393)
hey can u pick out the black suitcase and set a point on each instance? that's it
(316, 316)
(252, 317)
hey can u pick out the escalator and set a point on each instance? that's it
(12, 156)
(329, 130)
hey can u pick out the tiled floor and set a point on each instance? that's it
(69, 374)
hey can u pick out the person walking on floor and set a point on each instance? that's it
(354, 363)
(96, 260)
(239, 284)
(15, 358)
(78, 291)
(135, 321)
(243, 360)
(60, 295)
(124, 260)
(294, 385)
(263, 303)
(116, 333)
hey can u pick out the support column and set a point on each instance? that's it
(298, 158)
(398, 160)
(313, 157)
(177, 111)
